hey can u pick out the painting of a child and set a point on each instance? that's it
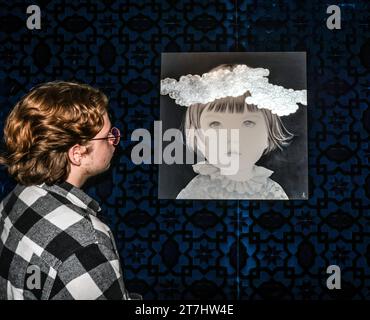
(216, 100)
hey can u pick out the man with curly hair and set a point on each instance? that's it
(53, 244)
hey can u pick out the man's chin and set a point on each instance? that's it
(100, 171)
(105, 169)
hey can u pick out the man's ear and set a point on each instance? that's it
(76, 153)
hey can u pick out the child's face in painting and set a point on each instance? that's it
(253, 135)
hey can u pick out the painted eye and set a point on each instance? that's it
(215, 124)
(249, 123)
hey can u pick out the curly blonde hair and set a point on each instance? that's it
(44, 124)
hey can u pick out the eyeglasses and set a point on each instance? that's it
(114, 136)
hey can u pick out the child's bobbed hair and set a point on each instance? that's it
(278, 136)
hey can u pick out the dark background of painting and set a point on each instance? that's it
(287, 70)
(214, 249)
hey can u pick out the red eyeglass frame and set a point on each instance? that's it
(116, 137)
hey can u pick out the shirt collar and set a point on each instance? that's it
(75, 195)
(252, 185)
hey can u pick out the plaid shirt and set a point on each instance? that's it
(53, 231)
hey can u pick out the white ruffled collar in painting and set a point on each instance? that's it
(250, 186)
(191, 89)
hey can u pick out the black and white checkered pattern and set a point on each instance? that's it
(55, 229)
